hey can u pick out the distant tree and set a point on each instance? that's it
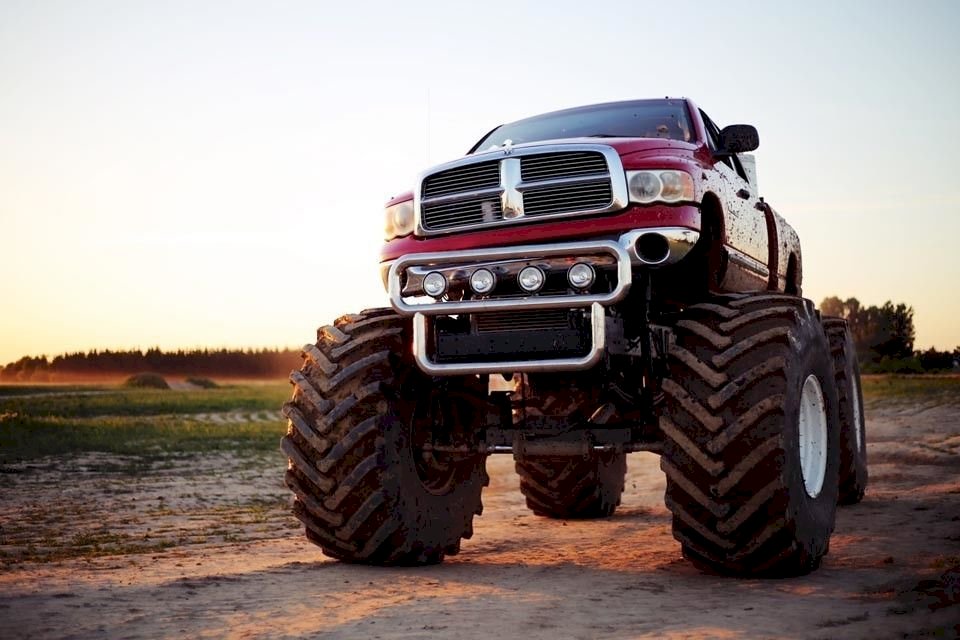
(878, 332)
(933, 360)
(896, 333)
(222, 363)
(832, 306)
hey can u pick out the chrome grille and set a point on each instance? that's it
(562, 165)
(462, 212)
(536, 320)
(461, 179)
(560, 199)
(542, 181)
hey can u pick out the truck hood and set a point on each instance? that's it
(623, 146)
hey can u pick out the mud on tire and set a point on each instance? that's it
(366, 488)
(573, 486)
(853, 437)
(731, 423)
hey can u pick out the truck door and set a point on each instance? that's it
(746, 225)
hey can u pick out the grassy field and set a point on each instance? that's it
(932, 389)
(37, 421)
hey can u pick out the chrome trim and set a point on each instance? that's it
(511, 198)
(385, 274)
(749, 263)
(509, 269)
(597, 331)
(465, 195)
(680, 241)
(455, 258)
(512, 185)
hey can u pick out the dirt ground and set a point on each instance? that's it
(99, 546)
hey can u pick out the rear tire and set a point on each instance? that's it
(367, 487)
(748, 375)
(853, 435)
(573, 486)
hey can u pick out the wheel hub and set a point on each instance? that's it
(813, 436)
(439, 417)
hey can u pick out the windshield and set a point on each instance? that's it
(637, 119)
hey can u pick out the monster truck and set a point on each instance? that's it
(582, 285)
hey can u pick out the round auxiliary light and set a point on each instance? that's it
(581, 275)
(483, 281)
(435, 284)
(530, 279)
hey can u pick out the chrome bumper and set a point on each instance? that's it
(623, 252)
(597, 332)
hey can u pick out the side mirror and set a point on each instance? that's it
(738, 138)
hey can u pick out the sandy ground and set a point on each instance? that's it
(98, 546)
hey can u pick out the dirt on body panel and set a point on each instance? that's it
(101, 546)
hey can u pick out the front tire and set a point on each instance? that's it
(751, 436)
(369, 485)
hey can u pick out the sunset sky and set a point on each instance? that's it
(186, 174)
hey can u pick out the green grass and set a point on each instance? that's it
(33, 389)
(95, 401)
(940, 389)
(54, 420)
(142, 422)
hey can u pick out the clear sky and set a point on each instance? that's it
(213, 173)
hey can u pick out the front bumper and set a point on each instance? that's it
(625, 256)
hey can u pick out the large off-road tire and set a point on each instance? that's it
(573, 486)
(367, 487)
(751, 436)
(853, 435)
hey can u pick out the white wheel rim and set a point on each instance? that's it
(857, 420)
(813, 436)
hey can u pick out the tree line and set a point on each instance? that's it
(222, 363)
(884, 338)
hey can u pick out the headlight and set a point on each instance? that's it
(399, 220)
(666, 185)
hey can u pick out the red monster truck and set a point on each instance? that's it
(581, 285)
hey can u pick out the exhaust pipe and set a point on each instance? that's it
(652, 248)
(658, 246)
